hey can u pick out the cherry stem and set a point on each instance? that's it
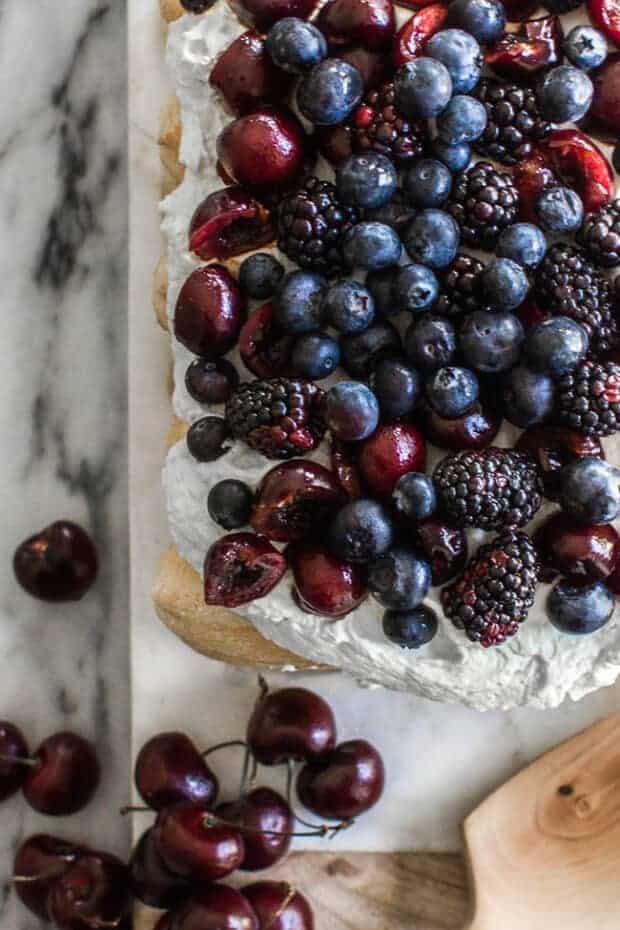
(211, 820)
(291, 891)
(20, 760)
(264, 687)
(42, 876)
(134, 809)
(229, 745)
(321, 829)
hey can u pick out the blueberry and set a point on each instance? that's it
(527, 396)
(380, 284)
(295, 45)
(504, 284)
(259, 275)
(361, 531)
(371, 246)
(452, 391)
(230, 503)
(616, 156)
(298, 302)
(555, 346)
(367, 180)
(427, 183)
(349, 306)
(211, 381)
(430, 342)
(491, 342)
(585, 47)
(454, 157)
(399, 579)
(461, 54)
(580, 609)
(485, 20)
(315, 356)
(414, 497)
(463, 120)
(432, 238)
(565, 94)
(351, 410)
(328, 93)
(523, 243)
(590, 490)
(396, 385)
(362, 351)
(206, 439)
(422, 88)
(415, 288)
(410, 629)
(559, 210)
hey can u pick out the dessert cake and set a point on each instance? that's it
(489, 363)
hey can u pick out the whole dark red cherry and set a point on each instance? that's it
(216, 907)
(292, 723)
(553, 447)
(527, 51)
(294, 499)
(151, 881)
(279, 906)
(264, 347)
(581, 553)
(241, 567)
(444, 547)
(531, 177)
(211, 381)
(39, 861)
(413, 35)
(370, 24)
(530, 313)
(373, 66)
(208, 312)
(93, 893)
(325, 584)
(604, 113)
(344, 466)
(264, 13)
(474, 430)
(335, 143)
(246, 76)
(268, 822)
(58, 564)
(13, 748)
(192, 845)
(229, 222)
(169, 768)
(580, 164)
(345, 784)
(389, 453)
(64, 775)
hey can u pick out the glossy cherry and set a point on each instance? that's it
(93, 893)
(13, 748)
(151, 882)
(292, 723)
(264, 13)
(413, 35)
(268, 822)
(63, 776)
(279, 906)
(531, 177)
(294, 499)
(325, 584)
(229, 222)
(193, 845)
(580, 164)
(216, 907)
(370, 24)
(265, 348)
(444, 547)
(169, 768)
(553, 447)
(343, 462)
(474, 430)
(345, 784)
(241, 567)
(523, 53)
(393, 450)
(604, 114)
(246, 76)
(208, 312)
(335, 143)
(39, 861)
(606, 15)
(58, 564)
(581, 553)
(373, 66)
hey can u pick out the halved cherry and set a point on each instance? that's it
(343, 461)
(531, 177)
(241, 567)
(370, 24)
(265, 348)
(604, 113)
(264, 13)
(411, 38)
(325, 584)
(553, 447)
(606, 15)
(530, 313)
(229, 222)
(335, 143)
(294, 499)
(246, 76)
(373, 66)
(528, 49)
(580, 164)
(581, 553)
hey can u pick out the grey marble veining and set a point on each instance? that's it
(63, 236)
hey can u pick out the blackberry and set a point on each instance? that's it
(484, 201)
(600, 235)
(568, 284)
(279, 418)
(490, 489)
(461, 287)
(588, 399)
(514, 124)
(379, 126)
(495, 592)
(311, 224)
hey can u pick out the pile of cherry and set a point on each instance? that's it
(194, 842)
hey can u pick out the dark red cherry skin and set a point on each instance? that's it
(413, 35)
(66, 776)
(192, 846)
(292, 723)
(520, 9)
(531, 177)
(151, 882)
(325, 584)
(279, 906)
(229, 222)
(264, 13)
(474, 430)
(208, 312)
(613, 581)
(344, 466)
(166, 922)
(241, 567)
(580, 164)
(264, 347)
(294, 499)
(13, 745)
(216, 907)
(529, 50)
(370, 24)
(530, 313)
(347, 783)
(58, 564)
(94, 892)
(246, 76)
(606, 15)
(444, 547)
(389, 453)
(604, 114)
(373, 66)
(335, 143)
(553, 447)
(45, 858)
(267, 819)
(169, 768)
(581, 553)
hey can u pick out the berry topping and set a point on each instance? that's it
(514, 124)
(241, 567)
(207, 316)
(294, 499)
(589, 399)
(484, 202)
(379, 126)
(325, 584)
(246, 75)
